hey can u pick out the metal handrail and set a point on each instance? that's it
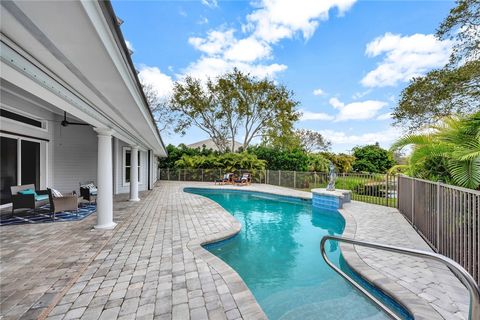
(457, 269)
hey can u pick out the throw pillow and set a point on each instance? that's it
(56, 193)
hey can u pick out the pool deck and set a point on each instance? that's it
(151, 266)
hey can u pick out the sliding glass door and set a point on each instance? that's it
(20, 164)
(8, 164)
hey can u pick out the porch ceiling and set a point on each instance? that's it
(70, 50)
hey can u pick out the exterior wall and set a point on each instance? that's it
(120, 186)
(74, 156)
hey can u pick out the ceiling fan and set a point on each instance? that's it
(65, 122)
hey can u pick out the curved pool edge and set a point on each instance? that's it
(420, 309)
(244, 298)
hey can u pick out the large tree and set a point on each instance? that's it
(453, 89)
(163, 116)
(311, 140)
(233, 106)
(372, 158)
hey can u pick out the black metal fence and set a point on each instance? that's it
(367, 187)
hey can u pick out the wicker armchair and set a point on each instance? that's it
(27, 201)
(67, 202)
(88, 191)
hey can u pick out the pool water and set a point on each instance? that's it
(277, 255)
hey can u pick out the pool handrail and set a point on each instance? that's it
(465, 278)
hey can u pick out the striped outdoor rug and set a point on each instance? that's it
(42, 215)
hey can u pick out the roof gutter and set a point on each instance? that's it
(111, 19)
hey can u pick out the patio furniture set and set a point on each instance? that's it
(27, 197)
(230, 178)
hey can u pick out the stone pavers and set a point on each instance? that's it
(153, 267)
(38, 261)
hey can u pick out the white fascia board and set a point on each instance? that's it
(95, 14)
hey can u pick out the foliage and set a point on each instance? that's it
(449, 152)
(462, 26)
(163, 116)
(231, 104)
(175, 153)
(311, 140)
(372, 158)
(278, 159)
(438, 94)
(227, 161)
(317, 162)
(343, 162)
(453, 89)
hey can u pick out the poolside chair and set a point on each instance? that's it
(227, 178)
(246, 179)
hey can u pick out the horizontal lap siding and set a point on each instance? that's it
(74, 156)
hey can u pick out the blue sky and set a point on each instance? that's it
(346, 60)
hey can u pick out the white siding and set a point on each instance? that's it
(74, 156)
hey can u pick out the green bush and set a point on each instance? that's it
(228, 161)
(279, 159)
(372, 158)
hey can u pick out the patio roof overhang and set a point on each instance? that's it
(73, 56)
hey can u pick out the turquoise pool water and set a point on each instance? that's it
(277, 255)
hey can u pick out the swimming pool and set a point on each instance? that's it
(277, 255)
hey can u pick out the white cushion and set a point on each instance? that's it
(56, 193)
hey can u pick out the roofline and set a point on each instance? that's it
(111, 19)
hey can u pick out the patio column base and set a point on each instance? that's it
(134, 200)
(106, 226)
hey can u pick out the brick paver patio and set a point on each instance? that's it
(153, 267)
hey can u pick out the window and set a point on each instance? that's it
(18, 117)
(127, 153)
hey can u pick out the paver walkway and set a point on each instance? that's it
(152, 265)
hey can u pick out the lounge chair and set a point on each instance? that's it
(60, 203)
(26, 197)
(246, 179)
(227, 178)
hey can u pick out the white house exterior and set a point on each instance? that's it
(70, 59)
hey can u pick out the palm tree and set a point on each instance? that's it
(449, 151)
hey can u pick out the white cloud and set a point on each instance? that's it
(161, 82)
(405, 57)
(385, 116)
(215, 43)
(210, 3)
(358, 95)
(356, 110)
(129, 45)
(270, 21)
(278, 19)
(308, 115)
(213, 66)
(339, 137)
(318, 92)
(248, 49)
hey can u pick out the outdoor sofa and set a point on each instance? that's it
(26, 197)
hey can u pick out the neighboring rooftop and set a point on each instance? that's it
(209, 144)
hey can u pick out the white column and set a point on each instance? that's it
(134, 174)
(104, 180)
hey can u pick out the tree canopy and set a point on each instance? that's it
(372, 158)
(231, 105)
(455, 88)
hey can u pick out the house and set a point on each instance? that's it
(72, 107)
(209, 144)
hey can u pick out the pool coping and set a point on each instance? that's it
(249, 307)
(244, 298)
